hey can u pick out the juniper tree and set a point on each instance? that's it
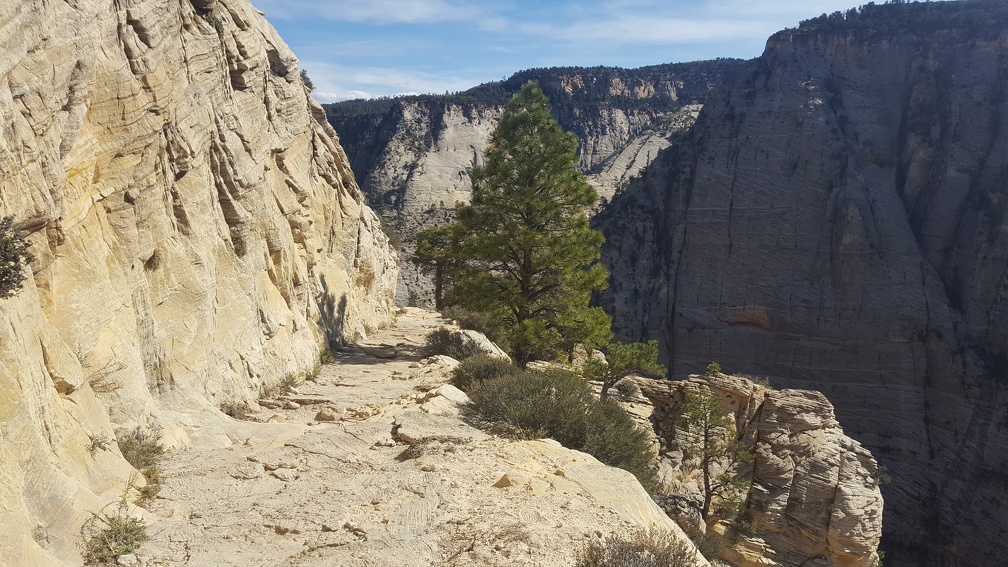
(712, 440)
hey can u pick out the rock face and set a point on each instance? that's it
(836, 218)
(413, 156)
(197, 232)
(815, 495)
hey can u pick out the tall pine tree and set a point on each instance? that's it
(527, 256)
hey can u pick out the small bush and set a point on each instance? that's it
(713, 369)
(559, 404)
(709, 546)
(614, 439)
(641, 549)
(13, 255)
(479, 368)
(443, 341)
(326, 356)
(151, 489)
(141, 448)
(106, 536)
(284, 386)
(237, 409)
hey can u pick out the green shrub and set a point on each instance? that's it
(559, 404)
(106, 536)
(640, 549)
(713, 369)
(141, 448)
(444, 341)
(149, 492)
(479, 368)
(532, 404)
(614, 439)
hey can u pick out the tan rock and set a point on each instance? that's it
(815, 491)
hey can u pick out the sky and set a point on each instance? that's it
(370, 48)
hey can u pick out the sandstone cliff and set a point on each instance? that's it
(814, 497)
(836, 218)
(197, 232)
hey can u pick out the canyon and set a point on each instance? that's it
(412, 156)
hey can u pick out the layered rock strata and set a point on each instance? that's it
(815, 495)
(197, 231)
(836, 218)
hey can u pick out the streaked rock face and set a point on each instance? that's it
(837, 219)
(197, 230)
(815, 491)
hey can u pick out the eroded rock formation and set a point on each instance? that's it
(197, 233)
(836, 218)
(815, 495)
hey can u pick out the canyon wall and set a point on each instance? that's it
(836, 220)
(197, 233)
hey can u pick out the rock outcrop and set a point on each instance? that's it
(197, 231)
(814, 497)
(836, 217)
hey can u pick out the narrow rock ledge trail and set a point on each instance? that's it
(371, 465)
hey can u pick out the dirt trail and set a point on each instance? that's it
(306, 491)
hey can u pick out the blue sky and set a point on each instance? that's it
(365, 48)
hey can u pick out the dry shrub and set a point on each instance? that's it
(640, 549)
(449, 343)
(559, 404)
(479, 368)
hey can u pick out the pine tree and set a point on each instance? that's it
(622, 360)
(712, 440)
(527, 257)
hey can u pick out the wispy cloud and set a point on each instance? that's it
(375, 11)
(336, 82)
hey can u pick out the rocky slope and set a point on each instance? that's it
(197, 231)
(815, 493)
(413, 155)
(836, 218)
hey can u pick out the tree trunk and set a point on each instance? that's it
(438, 286)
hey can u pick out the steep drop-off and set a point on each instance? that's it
(837, 218)
(197, 231)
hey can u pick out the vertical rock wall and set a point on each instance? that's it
(197, 232)
(837, 219)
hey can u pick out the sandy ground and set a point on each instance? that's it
(332, 482)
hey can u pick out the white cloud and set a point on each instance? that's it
(374, 11)
(336, 81)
